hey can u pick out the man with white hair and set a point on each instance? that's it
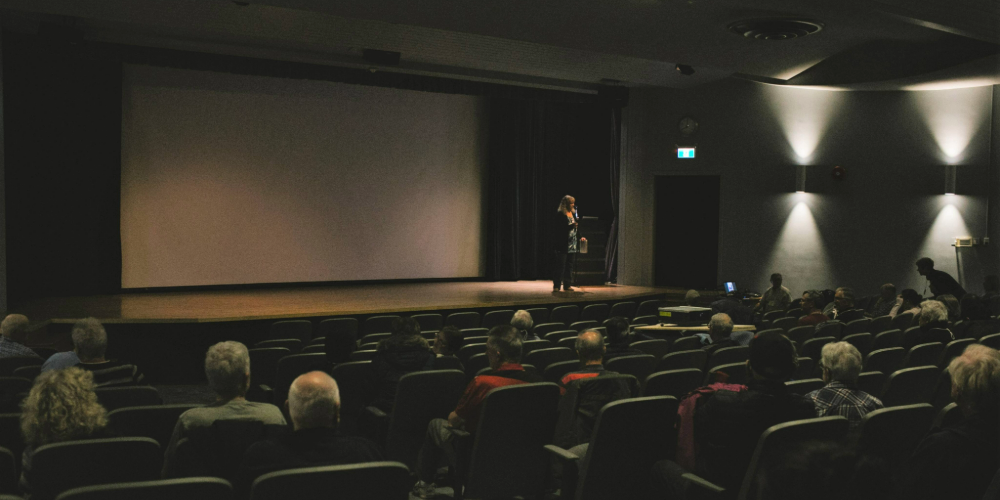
(314, 406)
(227, 367)
(523, 322)
(14, 331)
(841, 363)
(720, 330)
(934, 325)
(958, 461)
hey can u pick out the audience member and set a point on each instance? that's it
(934, 326)
(405, 351)
(731, 305)
(523, 322)
(590, 349)
(907, 302)
(941, 282)
(841, 363)
(812, 307)
(728, 425)
(61, 406)
(821, 470)
(776, 298)
(952, 305)
(503, 349)
(13, 332)
(692, 298)
(885, 302)
(314, 407)
(843, 301)
(90, 343)
(975, 318)
(618, 339)
(720, 329)
(227, 367)
(959, 461)
(448, 341)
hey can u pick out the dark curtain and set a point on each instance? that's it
(614, 183)
(538, 152)
(62, 138)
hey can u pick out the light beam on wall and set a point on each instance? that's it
(804, 115)
(799, 253)
(952, 116)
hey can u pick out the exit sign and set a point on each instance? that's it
(685, 152)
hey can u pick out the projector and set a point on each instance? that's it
(685, 315)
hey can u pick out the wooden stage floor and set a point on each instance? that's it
(317, 301)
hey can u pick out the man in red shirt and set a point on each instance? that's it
(812, 308)
(590, 347)
(503, 348)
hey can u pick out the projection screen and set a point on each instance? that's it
(232, 179)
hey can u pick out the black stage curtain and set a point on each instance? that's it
(62, 138)
(614, 184)
(539, 152)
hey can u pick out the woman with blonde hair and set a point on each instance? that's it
(62, 406)
(565, 243)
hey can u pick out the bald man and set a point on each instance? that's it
(590, 348)
(314, 405)
(14, 331)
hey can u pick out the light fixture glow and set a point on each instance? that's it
(803, 115)
(953, 117)
(799, 250)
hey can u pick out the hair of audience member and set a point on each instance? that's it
(522, 321)
(564, 204)
(720, 326)
(617, 330)
(227, 367)
(89, 339)
(590, 345)
(911, 296)
(975, 380)
(691, 297)
(932, 310)
(973, 308)
(951, 303)
(821, 470)
(772, 356)
(925, 263)
(505, 341)
(776, 277)
(847, 291)
(991, 283)
(61, 406)
(450, 338)
(888, 289)
(405, 326)
(15, 327)
(314, 401)
(842, 360)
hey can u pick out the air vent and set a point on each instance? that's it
(775, 29)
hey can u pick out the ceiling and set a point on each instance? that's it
(864, 44)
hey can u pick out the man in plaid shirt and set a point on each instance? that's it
(14, 330)
(841, 364)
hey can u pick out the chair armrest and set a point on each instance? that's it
(570, 470)
(705, 489)
(375, 412)
(560, 454)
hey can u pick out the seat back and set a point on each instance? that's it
(785, 323)
(884, 360)
(556, 371)
(565, 314)
(463, 320)
(264, 364)
(954, 349)
(832, 328)
(991, 340)
(541, 329)
(420, 397)
(639, 366)
(72, 464)
(567, 342)
(941, 396)
(630, 436)
(649, 308)
(112, 398)
(806, 368)
(880, 324)
(736, 373)
(645, 320)
(290, 367)
(556, 336)
(342, 326)
(217, 450)
(12, 391)
(475, 364)
(357, 388)
(686, 344)
(378, 324)
(851, 315)
(861, 341)
(154, 422)
(801, 334)
(188, 488)
(539, 315)
(469, 350)
(623, 309)
(583, 400)
(862, 325)
(656, 348)
(8, 365)
(893, 433)
(696, 358)
(887, 339)
(773, 315)
(924, 355)
(779, 438)
(291, 329)
(872, 382)
(542, 358)
(11, 437)
(382, 480)
(532, 345)
(947, 416)
(728, 355)
(595, 312)
(580, 326)
(29, 372)
(8, 472)
(293, 345)
(674, 383)
(911, 337)
(508, 457)
(910, 386)
(803, 387)
(902, 321)
(363, 355)
(497, 318)
(814, 346)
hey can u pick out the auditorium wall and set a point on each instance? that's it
(862, 231)
(3, 203)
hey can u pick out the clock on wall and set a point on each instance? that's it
(687, 126)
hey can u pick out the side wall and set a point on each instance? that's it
(862, 231)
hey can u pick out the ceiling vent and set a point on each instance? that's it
(775, 29)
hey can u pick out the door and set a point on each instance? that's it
(686, 251)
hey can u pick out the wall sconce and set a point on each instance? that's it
(800, 178)
(950, 175)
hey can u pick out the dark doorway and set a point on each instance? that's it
(686, 252)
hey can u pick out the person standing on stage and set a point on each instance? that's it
(565, 243)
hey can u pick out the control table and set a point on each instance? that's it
(670, 327)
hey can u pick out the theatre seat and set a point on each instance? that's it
(884, 360)
(382, 480)
(736, 373)
(656, 348)
(496, 318)
(860, 325)
(887, 339)
(640, 366)
(674, 383)
(556, 371)
(623, 309)
(861, 341)
(695, 358)
(429, 322)
(893, 433)
(595, 312)
(188, 488)
(924, 355)
(62, 466)
(293, 329)
(542, 358)
(463, 320)
(649, 308)
(420, 397)
(689, 343)
(565, 314)
(112, 398)
(801, 334)
(155, 422)
(910, 386)
(728, 355)
(880, 324)
(539, 315)
(542, 329)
